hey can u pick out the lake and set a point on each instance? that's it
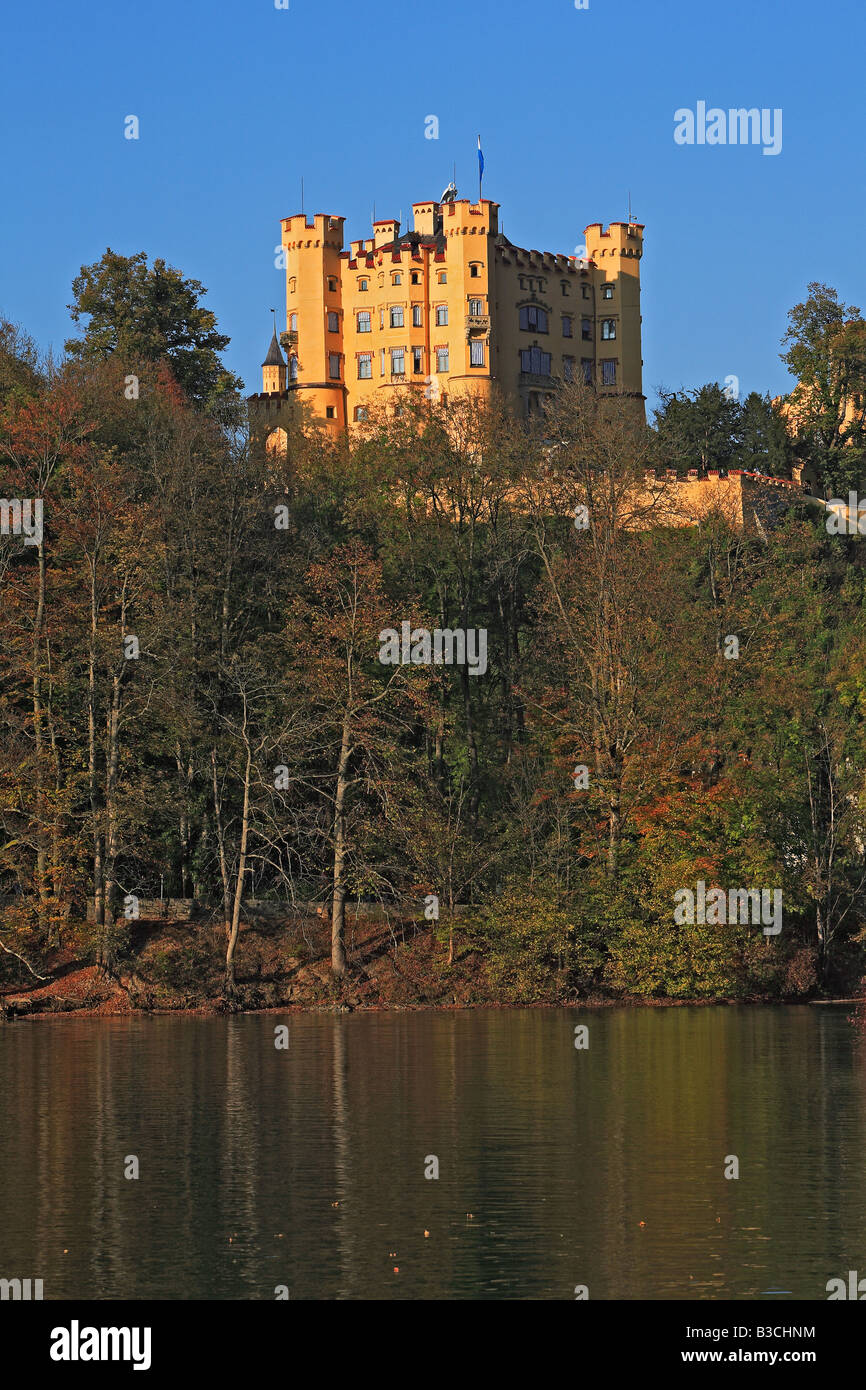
(304, 1167)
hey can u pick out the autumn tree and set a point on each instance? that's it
(366, 715)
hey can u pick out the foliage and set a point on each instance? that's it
(255, 744)
(146, 313)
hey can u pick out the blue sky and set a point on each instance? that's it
(238, 100)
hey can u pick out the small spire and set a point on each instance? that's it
(275, 357)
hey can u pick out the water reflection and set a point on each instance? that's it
(305, 1167)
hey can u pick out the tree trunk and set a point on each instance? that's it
(221, 844)
(36, 658)
(242, 865)
(338, 901)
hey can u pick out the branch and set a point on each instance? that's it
(33, 972)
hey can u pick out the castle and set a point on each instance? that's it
(453, 305)
(449, 306)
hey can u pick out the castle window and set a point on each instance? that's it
(381, 361)
(417, 360)
(416, 278)
(365, 366)
(608, 373)
(586, 330)
(568, 368)
(565, 289)
(293, 369)
(417, 316)
(363, 284)
(360, 412)
(533, 319)
(586, 367)
(476, 306)
(331, 412)
(567, 326)
(441, 315)
(396, 315)
(607, 291)
(442, 277)
(332, 284)
(293, 323)
(442, 359)
(476, 353)
(364, 325)
(474, 270)
(608, 329)
(584, 289)
(398, 362)
(293, 284)
(396, 278)
(333, 322)
(334, 366)
(535, 361)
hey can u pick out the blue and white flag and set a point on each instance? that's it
(480, 160)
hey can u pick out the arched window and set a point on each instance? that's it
(293, 369)
(277, 443)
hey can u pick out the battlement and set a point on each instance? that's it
(620, 239)
(327, 231)
(746, 499)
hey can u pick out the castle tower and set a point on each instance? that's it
(313, 250)
(616, 255)
(273, 369)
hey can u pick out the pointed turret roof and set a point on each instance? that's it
(275, 357)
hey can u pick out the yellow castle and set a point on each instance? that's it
(450, 305)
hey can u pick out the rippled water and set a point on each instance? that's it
(557, 1167)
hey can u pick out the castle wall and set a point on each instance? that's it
(744, 500)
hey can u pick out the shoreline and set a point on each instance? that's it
(220, 1008)
(171, 967)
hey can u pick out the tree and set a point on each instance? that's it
(364, 713)
(825, 344)
(145, 314)
(698, 428)
(19, 362)
(765, 445)
(607, 661)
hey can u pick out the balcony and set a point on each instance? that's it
(289, 340)
(477, 323)
(536, 379)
